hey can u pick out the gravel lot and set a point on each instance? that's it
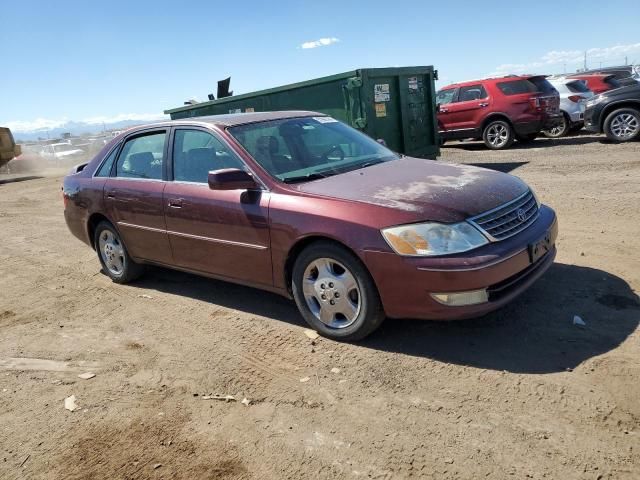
(521, 393)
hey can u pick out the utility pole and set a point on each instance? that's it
(625, 60)
(585, 60)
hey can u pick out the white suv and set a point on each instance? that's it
(573, 96)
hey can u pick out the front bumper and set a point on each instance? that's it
(592, 119)
(503, 268)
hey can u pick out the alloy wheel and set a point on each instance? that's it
(498, 135)
(331, 292)
(559, 130)
(112, 252)
(625, 125)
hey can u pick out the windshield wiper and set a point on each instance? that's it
(304, 178)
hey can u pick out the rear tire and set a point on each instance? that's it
(335, 293)
(622, 125)
(113, 255)
(498, 135)
(559, 130)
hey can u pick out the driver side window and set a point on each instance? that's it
(196, 153)
(445, 96)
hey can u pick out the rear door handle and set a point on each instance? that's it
(483, 104)
(111, 194)
(175, 203)
(443, 110)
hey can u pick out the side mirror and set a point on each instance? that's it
(231, 179)
(381, 141)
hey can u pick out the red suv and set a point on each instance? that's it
(498, 110)
(598, 82)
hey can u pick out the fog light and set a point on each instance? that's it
(460, 299)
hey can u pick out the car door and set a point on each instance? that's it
(133, 195)
(224, 233)
(444, 98)
(467, 111)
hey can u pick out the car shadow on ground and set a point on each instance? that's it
(534, 334)
(504, 167)
(540, 142)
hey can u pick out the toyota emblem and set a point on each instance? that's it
(521, 215)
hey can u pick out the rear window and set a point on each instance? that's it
(517, 87)
(578, 86)
(542, 85)
(612, 82)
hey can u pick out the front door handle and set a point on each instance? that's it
(111, 194)
(175, 203)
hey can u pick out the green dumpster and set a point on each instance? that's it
(393, 104)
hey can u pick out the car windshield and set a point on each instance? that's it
(303, 149)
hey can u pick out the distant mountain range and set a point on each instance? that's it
(76, 128)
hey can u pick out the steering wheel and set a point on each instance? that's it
(333, 148)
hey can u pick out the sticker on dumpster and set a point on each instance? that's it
(381, 92)
(325, 119)
(249, 109)
(413, 84)
(235, 110)
(381, 110)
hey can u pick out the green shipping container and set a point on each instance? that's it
(393, 104)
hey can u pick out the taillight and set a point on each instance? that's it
(576, 98)
(535, 103)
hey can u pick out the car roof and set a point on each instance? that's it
(232, 119)
(504, 78)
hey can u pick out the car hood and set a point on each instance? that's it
(422, 189)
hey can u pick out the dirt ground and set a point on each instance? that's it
(522, 393)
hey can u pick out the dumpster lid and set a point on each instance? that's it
(234, 119)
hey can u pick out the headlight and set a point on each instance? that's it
(428, 239)
(594, 100)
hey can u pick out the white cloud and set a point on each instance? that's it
(572, 59)
(322, 42)
(43, 124)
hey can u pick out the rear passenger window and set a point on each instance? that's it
(516, 87)
(105, 168)
(142, 157)
(196, 153)
(472, 92)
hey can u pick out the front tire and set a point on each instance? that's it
(622, 125)
(335, 293)
(498, 135)
(113, 255)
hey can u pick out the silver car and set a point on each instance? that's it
(573, 96)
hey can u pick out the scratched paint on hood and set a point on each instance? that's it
(431, 187)
(423, 189)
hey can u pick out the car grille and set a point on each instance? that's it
(508, 219)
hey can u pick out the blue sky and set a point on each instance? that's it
(85, 60)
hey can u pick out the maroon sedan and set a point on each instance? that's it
(300, 204)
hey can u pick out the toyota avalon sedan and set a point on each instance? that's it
(300, 204)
